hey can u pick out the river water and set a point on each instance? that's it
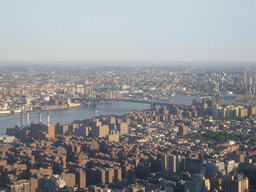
(80, 113)
(69, 115)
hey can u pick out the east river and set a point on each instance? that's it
(80, 113)
(69, 115)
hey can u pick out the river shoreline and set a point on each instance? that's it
(68, 115)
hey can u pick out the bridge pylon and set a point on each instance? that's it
(153, 104)
(93, 103)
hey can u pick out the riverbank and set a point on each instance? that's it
(70, 114)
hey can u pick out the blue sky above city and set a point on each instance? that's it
(161, 30)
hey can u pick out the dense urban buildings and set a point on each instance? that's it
(207, 145)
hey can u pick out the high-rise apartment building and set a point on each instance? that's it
(235, 183)
(169, 163)
(183, 130)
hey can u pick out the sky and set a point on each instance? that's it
(118, 30)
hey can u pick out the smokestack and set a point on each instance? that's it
(48, 119)
(21, 119)
(40, 118)
(27, 118)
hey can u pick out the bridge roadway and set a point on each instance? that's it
(124, 100)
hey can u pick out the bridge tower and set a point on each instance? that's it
(22, 119)
(93, 103)
(23, 113)
(153, 104)
(251, 100)
(93, 96)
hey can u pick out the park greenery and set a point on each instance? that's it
(219, 137)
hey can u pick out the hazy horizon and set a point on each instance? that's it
(126, 63)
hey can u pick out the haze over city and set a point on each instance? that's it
(127, 96)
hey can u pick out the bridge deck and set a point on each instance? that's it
(124, 100)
